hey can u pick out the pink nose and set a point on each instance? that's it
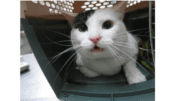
(95, 40)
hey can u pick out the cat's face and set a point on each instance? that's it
(94, 31)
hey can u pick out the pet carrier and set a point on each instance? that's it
(43, 22)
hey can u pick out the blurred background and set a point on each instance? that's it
(24, 44)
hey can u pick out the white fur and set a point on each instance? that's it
(106, 63)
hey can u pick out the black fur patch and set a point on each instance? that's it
(81, 18)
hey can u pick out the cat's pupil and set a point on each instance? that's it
(82, 28)
(107, 25)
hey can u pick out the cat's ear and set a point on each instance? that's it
(70, 17)
(120, 8)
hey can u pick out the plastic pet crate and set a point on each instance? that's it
(70, 84)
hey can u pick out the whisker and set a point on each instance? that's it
(64, 65)
(55, 42)
(59, 41)
(144, 36)
(112, 53)
(58, 55)
(130, 58)
(137, 29)
(70, 64)
(121, 34)
(119, 38)
(119, 56)
(124, 37)
(52, 60)
(141, 32)
(61, 33)
(132, 46)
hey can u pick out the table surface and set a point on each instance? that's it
(34, 85)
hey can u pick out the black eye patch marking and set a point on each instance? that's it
(80, 19)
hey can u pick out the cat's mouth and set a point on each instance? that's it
(97, 49)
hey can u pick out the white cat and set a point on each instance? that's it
(103, 45)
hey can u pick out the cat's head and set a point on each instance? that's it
(94, 31)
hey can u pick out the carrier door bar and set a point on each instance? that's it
(150, 28)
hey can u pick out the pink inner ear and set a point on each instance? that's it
(120, 7)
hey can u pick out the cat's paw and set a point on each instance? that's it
(136, 79)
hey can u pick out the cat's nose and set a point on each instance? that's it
(95, 40)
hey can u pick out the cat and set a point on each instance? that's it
(103, 45)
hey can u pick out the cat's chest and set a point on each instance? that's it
(105, 66)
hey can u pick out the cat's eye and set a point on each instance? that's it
(82, 28)
(107, 24)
